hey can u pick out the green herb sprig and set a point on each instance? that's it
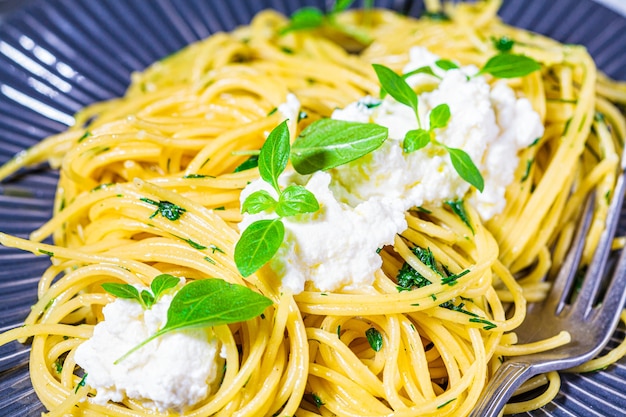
(324, 144)
(159, 286)
(307, 18)
(260, 241)
(397, 87)
(208, 302)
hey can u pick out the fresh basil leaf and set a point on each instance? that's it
(274, 155)
(341, 5)
(421, 70)
(257, 202)
(304, 18)
(162, 283)
(415, 140)
(296, 199)
(147, 298)
(126, 291)
(510, 66)
(465, 167)
(374, 338)
(328, 143)
(209, 302)
(213, 302)
(439, 116)
(258, 243)
(446, 64)
(396, 86)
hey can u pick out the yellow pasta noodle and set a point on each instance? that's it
(179, 135)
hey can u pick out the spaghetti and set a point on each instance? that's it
(183, 133)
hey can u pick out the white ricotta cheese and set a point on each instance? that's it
(173, 371)
(490, 124)
(336, 247)
(363, 202)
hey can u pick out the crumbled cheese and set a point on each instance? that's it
(173, 371)
(335, 247)
(490, 124)
(363, 202)
(290, 109)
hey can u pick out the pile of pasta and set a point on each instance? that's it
(181, 133)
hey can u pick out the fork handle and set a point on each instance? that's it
(507, 379)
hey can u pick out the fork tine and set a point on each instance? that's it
(596, 271)
(615, 297)
(563, 282)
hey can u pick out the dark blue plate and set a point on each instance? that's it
(57, 56)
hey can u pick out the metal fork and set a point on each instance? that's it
(589, 320)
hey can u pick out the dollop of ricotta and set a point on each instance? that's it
(173, 371)
(363, 202)
(489, 123)
(336, 247)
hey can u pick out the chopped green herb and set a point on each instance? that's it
(582, 122)
(209, 260)
(373, 104)
(193, 244)
(488, 325)
(529, 164)
(374, 338)
(566, 128)
(101, 186)
(45, 252)
(58, 365)
(196, 176)
(271, 112)
(215, 249)
(84, 136)
(451, 306)
(503, 43)
(249, 163)
(436, 16)
(81, 383)
(446, 403)
(166, 209)
(451, 279)
(317, 400)
(458, 208)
